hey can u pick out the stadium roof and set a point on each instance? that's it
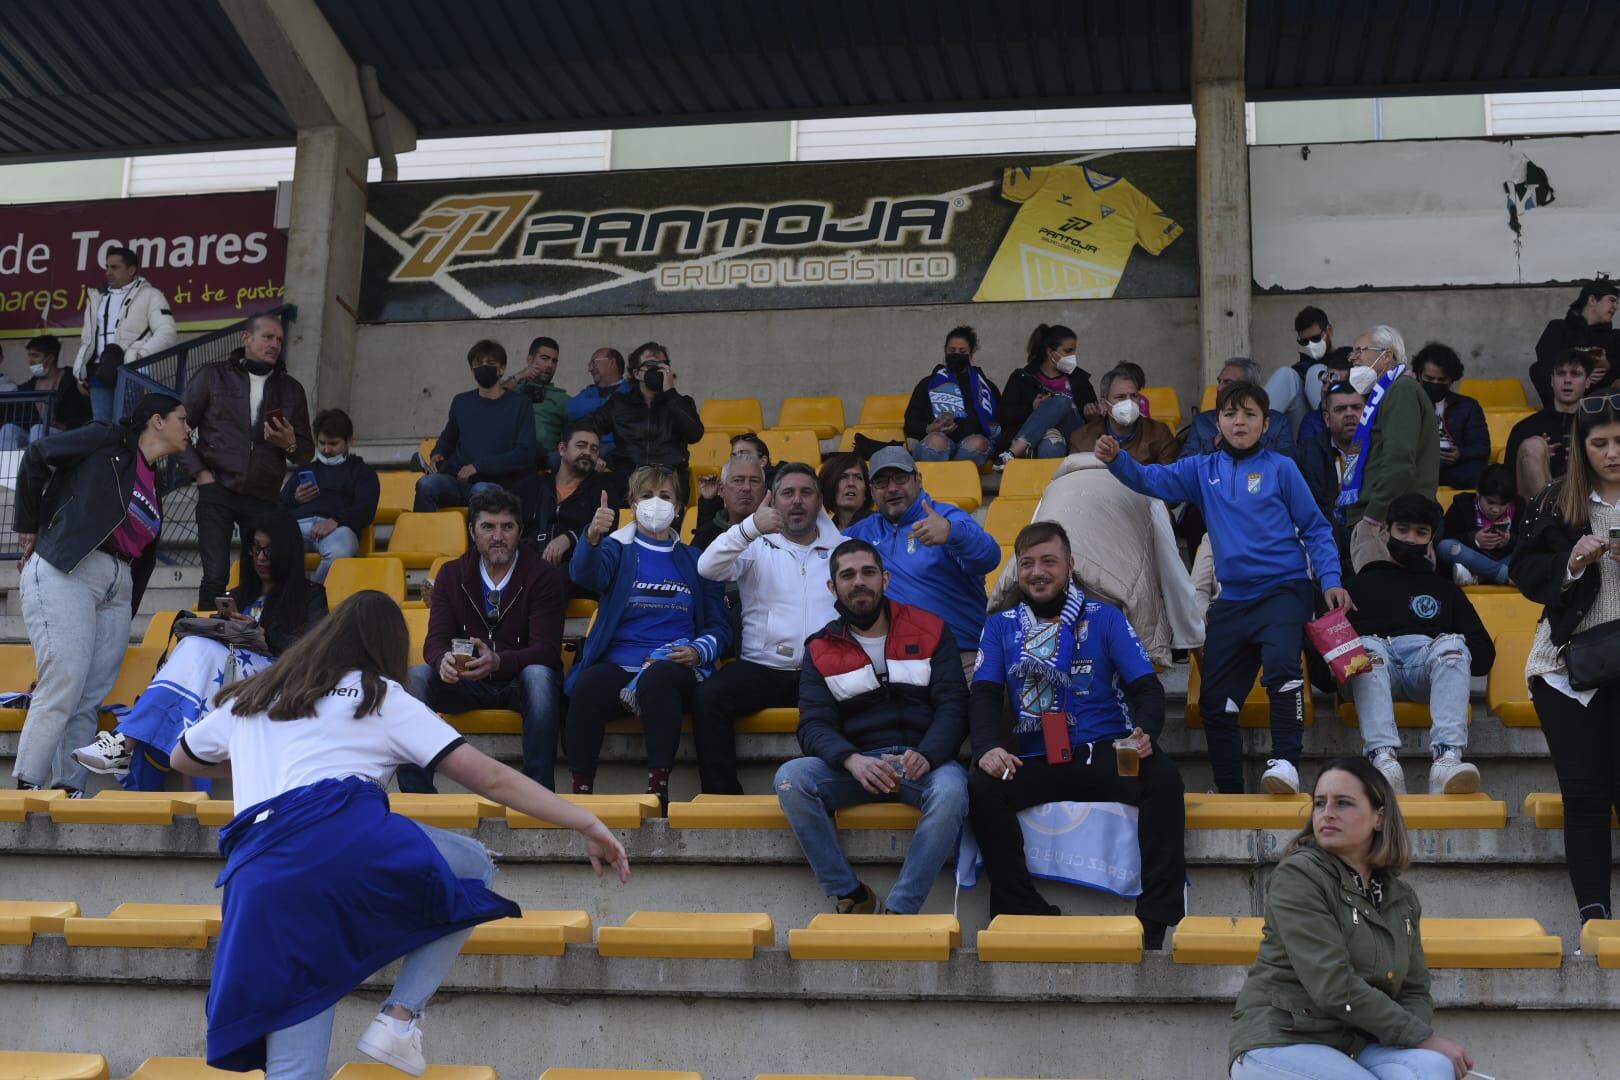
(85, 78)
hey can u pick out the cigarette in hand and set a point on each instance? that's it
(1006, 774)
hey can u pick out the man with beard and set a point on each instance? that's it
(507, 600)
(1078, 683)
(882, 713)
(561, 503)
(549, 400)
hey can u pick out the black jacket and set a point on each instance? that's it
(1316, 458)
(73, 490)
(288, 611)
(1542, 559)
(70, 408)
(349, 494)
(1018, 397)
(230, 443)
(545, 519)
(1562, 335)
(1394, 600)
(1465, 422)
(658, 434)
(920, 411)
(1461, 525)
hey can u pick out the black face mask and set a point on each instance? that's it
(1050, 608)
(859, 622)
(259, 367)
(958, 362)
(1437, 391)
(487, 376)
(1412, 556)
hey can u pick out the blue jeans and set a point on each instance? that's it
(1056, 412)
(340, 543)
(1308, 1062)
(300, 1052)
(535, 693)
(1413, 667)
(13, 437)
(924, 452)
(810, 791)
(436, 491)
(1487, 568)
(102, 406)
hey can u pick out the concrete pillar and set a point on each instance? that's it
(1225, 264)
(324, 246)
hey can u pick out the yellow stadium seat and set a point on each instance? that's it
(1207, 402)
(885, 816)
(693, 935)
(1259, 811)
(822, 415)
(1005, 516)
(1601, 938)
(140, 664)
(396, 494)
(1026, 478)
(876, 937)
(994, 576)
(425, 447)
(158, 629)
(209, 915)
(534, 933)
(136, 933)
(770, 722)
(418, 539)
(349, 576)
(1490, 943)
(1546, 809)
(17, 676)
(486, 721)
(184, 1068)
(1408, 714)
(1501, 424)
(580, 607)
(1475, 811)
(215, 812)
(28, 1065)
(1495, 393)
(787, 445)
(1062, 939)
(449, 811)
(616, 811)
(617, 1074)
(954, 482)
(875, 432)
(1444, 495)
(1165, 405)
(371, 1070)
(709, 454)
(1506, 611)
(728, 812)
(118, 807)
(1256, 711)
(416, 623)
(20, 920)
(884, 410)
(17, 805)
(1216, 939)
(1507, 694)
(733, 416)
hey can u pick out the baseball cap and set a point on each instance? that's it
(891, 457)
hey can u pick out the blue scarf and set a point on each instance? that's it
(1350, 492)
(705, 647)
(982, 398)
(1045, 657)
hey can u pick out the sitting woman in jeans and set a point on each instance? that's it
(1047, 398)
(659, 627)
(275, 596)
(1340, 990)
(1482, 528)
(1569, 562)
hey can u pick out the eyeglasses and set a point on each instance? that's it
(1598, 403)
(259, 549)
(1363, 350)
(890, 478)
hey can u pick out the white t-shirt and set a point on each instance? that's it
(256, 398)
(874, 647)
(269, 757)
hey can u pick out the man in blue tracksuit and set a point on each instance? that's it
(1268, 537)
(936, 555)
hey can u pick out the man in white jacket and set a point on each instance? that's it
(778, 558)
(130, 313)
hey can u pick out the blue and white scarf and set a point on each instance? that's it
(705, 650)
(983, 397)
(1350, 490)
(1045, 658)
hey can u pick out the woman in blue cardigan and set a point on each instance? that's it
(659, 627)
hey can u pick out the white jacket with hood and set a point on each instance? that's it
(146, 326)
(783, 586)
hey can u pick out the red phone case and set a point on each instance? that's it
(1055, 727)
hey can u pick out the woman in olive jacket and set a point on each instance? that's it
(1340, 990)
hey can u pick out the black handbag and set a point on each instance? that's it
(1592, 657)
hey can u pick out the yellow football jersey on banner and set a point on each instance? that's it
(1072, 235)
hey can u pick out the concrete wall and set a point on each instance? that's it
(406, 373)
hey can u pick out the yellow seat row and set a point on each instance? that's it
(1447, 943)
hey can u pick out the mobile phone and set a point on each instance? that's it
(307, 476)
(225, 605)
(1055, 729)
(278, 415)
(1614, 542)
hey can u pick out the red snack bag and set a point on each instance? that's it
(1340, 645)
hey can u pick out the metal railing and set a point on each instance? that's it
(24, 417)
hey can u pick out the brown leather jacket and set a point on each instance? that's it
(231, 444)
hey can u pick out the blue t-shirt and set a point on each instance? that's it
(1106, 657)
(659, 610)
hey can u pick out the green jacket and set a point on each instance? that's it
(1301, 989)
(1405, 450)
(550, 403)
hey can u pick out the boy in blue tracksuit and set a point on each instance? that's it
(936, 555)
(1268, 534)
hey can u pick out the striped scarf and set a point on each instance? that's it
(1044, 658)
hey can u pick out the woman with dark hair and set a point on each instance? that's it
(323, 885)
(1588, 325)
(1340, 990)
(1481, 529)
(1568, 559)
(274, 597)
(1047, 398)
(88, 518)
(846, 490)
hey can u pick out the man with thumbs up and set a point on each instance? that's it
(936, 555)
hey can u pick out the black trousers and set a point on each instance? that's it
(994, 804)
(665, 692)
(1244, 636)
(220, 513)
(1585, 745)
(736, 690)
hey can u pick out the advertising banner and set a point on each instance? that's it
(216, 257)
(835, 234)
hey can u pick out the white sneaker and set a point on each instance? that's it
(1451, 775)
(1002, 460)
(1462, 576)
(385, 1042)
(1385, 761)
(1280, 778)
(109, 754)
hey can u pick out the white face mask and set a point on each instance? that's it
(1362, 379)
(334, 459)
(37, 370)
(655, 514)
(1126, 413)
(1066, 364)
(1316, 349)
